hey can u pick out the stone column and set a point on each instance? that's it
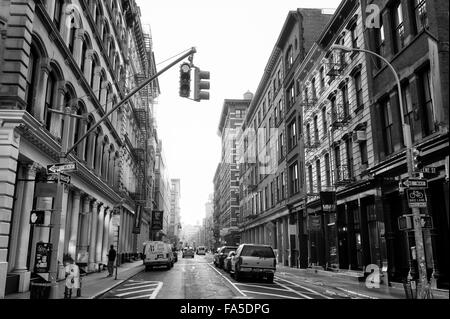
(94, 216)
(103, 93)
(85, 214)
(63, 234)
(99, 155)
(99, 243)
(88, 65)
(56, 119)
(78, 44)
(106, 241)
(74, 224)
(24, 228)
(96, 85)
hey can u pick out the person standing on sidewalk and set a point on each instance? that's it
(111, 258)
(72, 278)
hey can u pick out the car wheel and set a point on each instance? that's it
(270, 279)
(237, 275)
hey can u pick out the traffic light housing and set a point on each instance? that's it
(185, 80)
(416, 159)
(200, 85)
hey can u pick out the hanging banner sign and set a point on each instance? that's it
(157, 219)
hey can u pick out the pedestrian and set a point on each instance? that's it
(72, 278)
(111, 258)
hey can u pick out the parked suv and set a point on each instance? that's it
(254, 260)
(222, 253)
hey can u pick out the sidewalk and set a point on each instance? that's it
(350, 282)
(94, 284)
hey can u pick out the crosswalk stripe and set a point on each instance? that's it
(140, 283)
(294, 291)
(134, 292)
(268, 294)
(263, 287)
(155, 293)
(299, 286)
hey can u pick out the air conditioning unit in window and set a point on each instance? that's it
(359, 136)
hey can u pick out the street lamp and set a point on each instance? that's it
(423, 288)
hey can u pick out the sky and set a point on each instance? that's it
(234, 40)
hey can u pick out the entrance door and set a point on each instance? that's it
(342, 237)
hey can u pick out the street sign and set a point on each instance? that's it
(406, 222)
(415, 183)
(61, 167)
(416, 198)
(431, 170)
(63, 178)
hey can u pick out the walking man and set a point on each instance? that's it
(111, 258)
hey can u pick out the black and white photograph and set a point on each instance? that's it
(226, 158)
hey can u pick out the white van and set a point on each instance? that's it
(201, 250)
(157, 253)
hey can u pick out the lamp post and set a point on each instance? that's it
(423, 286)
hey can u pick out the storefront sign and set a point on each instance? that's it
(42, 259)
(328, 200)
(137, 220)
(157, 219)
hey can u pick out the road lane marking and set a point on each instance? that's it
(228, 280)
(135, 284)
(294, 291)
(134, 292)
(155, 293)
(262, 287)
(356, 293)
(130, 288)
(140, 297)
(299, 286)
(268, 294)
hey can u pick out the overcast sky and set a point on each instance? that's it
(233, 40)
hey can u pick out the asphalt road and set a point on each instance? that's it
(198, 278)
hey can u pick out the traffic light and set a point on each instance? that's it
(200, 85)
(185, 80)
(416, 159)
(37, 217)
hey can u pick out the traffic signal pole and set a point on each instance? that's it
(65, 151)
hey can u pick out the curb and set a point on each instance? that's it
(119, 282)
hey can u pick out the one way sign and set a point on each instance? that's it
(61, 167)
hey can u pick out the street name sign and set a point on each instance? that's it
(61, 167)
(63, 178)
(416, 198)
(415, 183)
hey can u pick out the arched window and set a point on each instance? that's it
(98, 13)
(289, 58)
(88, 146)
(95, 63)
(99, 88)
(67, 103)
(105, 33)
(31, 78)
(79, 129)
(72, 31)
(58, 13)
(83, 55)
(50, 94)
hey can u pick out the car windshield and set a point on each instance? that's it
(227, 250)
(258, 251)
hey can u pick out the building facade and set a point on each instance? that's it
(162, 195)
(271, 157)
(75, 57)
(227, 176)
(413, 36)
(174, 218)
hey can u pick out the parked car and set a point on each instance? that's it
(157, 253)
(188, 252)
(227, 261)
(201, 250)
(222, 253)
(254, 260)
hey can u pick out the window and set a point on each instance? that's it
(308, 134)
(289, 58)
(278, 186)
(290, 96)
(359, 90)
(72, 31)
(88, 141)
(363, 151)
(408, 109)
(337, 161)
(57, 13)
(322, 78)
(349, 153)
(318, 177)
(78, 130)
(334, 113)
(316, 130)
(387, 127)
(345, 102)
(272, 199)
(49, 96)
(94, 66)
(293, 175)
(264, 107)
(306, 96)
(313, 88)
(283, 185)
(281, 146)
(426, 103)
(279, 78)
(31, 79)
(280, 108)
(83, 55)
(292, 129)
(380, 42)
(275, 114)
(324, 122)
(327, 169)
(353, 35)
(420, 9)
(310, 180)
(399, 29)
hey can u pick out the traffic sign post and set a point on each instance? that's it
(415, 183)
(416, 198)
(61, 167)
